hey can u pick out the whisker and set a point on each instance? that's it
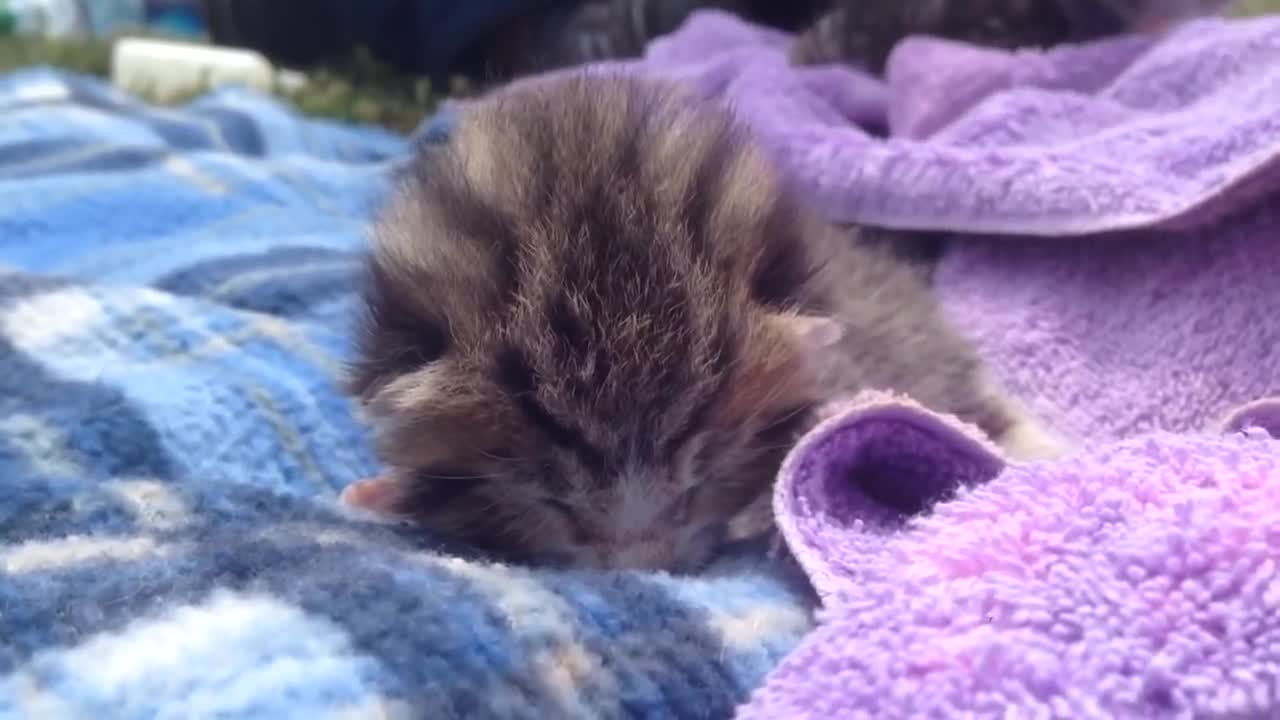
(768, 448)
(428, 476)
(786, 418)
(491, 456)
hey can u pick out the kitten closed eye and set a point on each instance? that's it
(678, 511)
(559, 506)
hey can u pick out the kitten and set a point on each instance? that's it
(864, 32)
(597, 321)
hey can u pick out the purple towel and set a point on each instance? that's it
(1115, 215)
(1119, 134)
(1140, 579)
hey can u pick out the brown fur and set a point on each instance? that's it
(587, 337)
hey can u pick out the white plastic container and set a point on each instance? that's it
(166, 69)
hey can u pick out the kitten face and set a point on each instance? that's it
(591, 337)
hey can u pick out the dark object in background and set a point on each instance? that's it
(490, 40)
(422, 37)
(273, 29)
(573, 32)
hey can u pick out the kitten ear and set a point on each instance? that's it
(811, 333)
(785, 361)
(811, 339)
(381, 495)
(424, 417)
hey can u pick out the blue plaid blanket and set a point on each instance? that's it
(175, 289)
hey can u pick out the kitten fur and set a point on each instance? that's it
(597, 321)
(864, 32)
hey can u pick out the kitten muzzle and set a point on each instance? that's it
(678, 552)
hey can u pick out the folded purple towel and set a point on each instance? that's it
(1141, 579)
(1124, 133)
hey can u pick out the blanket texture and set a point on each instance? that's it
(1112, 215)
(175, 288)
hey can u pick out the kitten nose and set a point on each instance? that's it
(641, 556)
(710, 536)
(678, 554)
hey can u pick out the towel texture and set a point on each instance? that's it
(1137, 579)
(175, 288)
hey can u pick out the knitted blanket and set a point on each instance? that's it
(175, 288)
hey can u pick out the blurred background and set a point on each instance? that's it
(386, 62)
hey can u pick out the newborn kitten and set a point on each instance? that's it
(597, 322)
(864, 32)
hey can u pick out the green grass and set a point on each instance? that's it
(85, 56)
(357, 89)
(1257, 7)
